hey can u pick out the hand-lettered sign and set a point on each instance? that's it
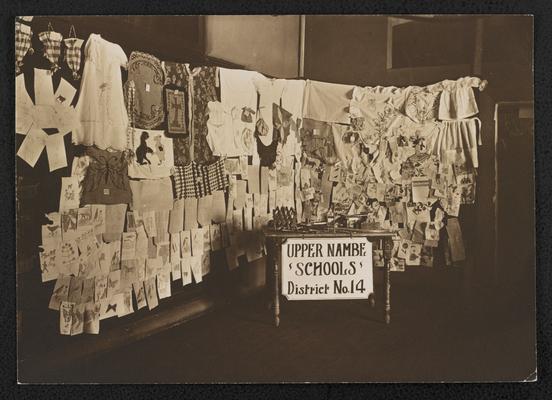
(327, 269)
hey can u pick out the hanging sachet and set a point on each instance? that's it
(52, 46)
(73, 52)
(23, 34)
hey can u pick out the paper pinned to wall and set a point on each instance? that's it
(164, 283)
(218, 207)
(60, 292)
(151, 293)
(175, 248)
(186, 243)
(204, 205)
(241, 190)
(253, 179)
(264, 180)
(114, 221)
(32, 146)
(140, 294)
(92, 318)
(196, 267)
(77, 323)
(176, 217)
(190, 213)
(206, 239)
(197, 241)
(43, 87)
(55, 148)
(128, 251)
(215, 234)
(420, 189)
(186, 269)
(65, 93)
(69, 194)
(65, 317)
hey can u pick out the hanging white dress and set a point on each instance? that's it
(101, 112)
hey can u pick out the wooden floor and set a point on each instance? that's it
(434, 336)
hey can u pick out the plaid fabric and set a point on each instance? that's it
(183, 182)
(201, 179)
(216, 175)
(73, 55)
(52, 47)
(196, 180)
(22, 44)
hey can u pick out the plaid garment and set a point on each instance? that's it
(201, 180)
(196, 180)
(22, 44)
(183, 182)
(52, 47)
(73, 55)
(217, 176)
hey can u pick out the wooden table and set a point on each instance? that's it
(275, 238)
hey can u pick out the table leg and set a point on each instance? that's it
(387, 250)
(276, 287)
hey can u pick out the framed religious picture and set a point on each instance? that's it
(175, 102)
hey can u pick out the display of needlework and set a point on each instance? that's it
(389, 163)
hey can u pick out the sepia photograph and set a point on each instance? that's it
(275, 198)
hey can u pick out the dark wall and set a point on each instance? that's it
(353, 50)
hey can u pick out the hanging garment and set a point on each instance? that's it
(153, 155)
(237, 88)
(177, 121)
(267, 154)
(183, 182)
(23, 36)
(270, 92)
(457, 99)
(178, 74)
(146, 72)
(420, 104)
(52, 47)
(152, 194)
(204, 83)
(106, 178)
(372, 109)
(216, 176)
(292, 97)
(327, 102)
(73, 55)
(228, 135)
(219, 130)
(457, 139)
(196, 180)
(101, 112)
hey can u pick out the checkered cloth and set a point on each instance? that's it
(52, 47)
(183, 182)
(23, 36)
(216, 176)
(196, 180)
(73, 55)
